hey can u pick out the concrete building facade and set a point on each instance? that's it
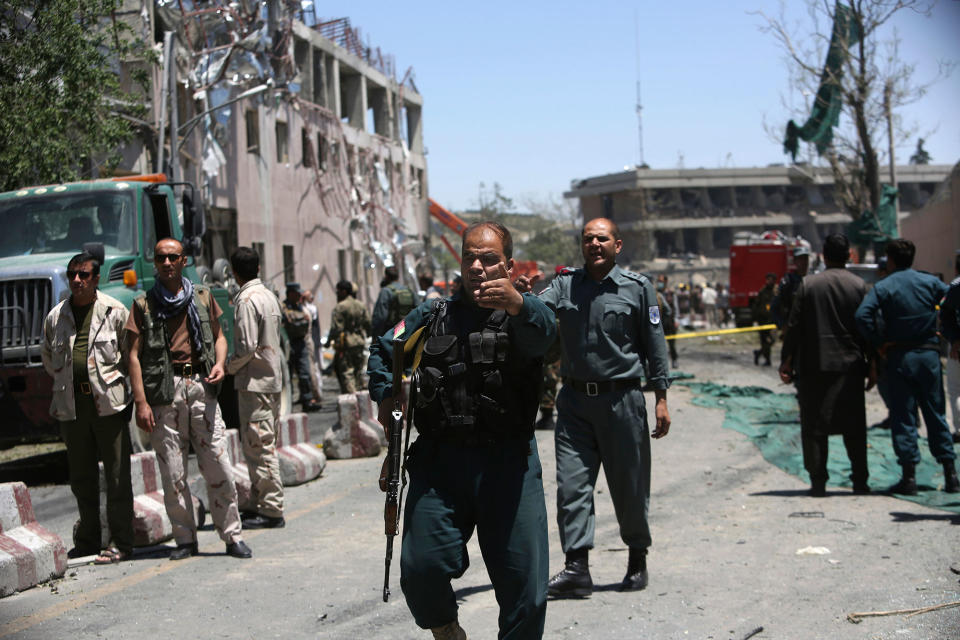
(302, 140)
(666, 213)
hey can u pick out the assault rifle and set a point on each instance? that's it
(391, 508)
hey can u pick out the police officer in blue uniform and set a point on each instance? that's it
(898, 316)
(610, 325)
(474, 464)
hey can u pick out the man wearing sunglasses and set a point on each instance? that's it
(177, 355)
(81, 351)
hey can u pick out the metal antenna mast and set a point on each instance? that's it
(636, 33)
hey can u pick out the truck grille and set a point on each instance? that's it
(24, 305)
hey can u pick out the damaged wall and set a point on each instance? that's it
(302, 140)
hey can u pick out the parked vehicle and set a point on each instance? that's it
(752, 257)
(121, 220)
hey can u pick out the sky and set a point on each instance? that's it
(533, 95)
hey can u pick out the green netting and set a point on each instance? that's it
(772, 421)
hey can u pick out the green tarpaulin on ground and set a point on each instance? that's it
(825, 115)
(772, 421)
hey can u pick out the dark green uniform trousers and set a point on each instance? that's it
(497, 489)
(90, 438)
(915, 380)
(609, 428)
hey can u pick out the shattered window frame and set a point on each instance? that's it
(283, 142)
(305, 148)
(253, 131)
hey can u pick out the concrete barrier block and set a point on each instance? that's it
(239, 470)
(368, 415)
(29, 554)
(351, 437)
(300, 460)
(150, 522)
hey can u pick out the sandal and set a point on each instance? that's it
(111, 555)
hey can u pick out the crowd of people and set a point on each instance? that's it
(481, 353)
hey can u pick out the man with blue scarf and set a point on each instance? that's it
(176, 362)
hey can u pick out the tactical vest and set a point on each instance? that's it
(401, 303)
(473, 387)
(155, 363)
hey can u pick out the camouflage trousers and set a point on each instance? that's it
(350, 363)
(192, 419)
(551, 377)
(259, 413)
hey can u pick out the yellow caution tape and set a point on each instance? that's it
(720, 332)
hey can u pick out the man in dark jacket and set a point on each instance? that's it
(824, 353)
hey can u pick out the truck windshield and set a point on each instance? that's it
(57, 223)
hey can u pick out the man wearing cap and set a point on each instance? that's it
(177, 353)
(257, 367)
(783, 301)
(349, 326)
(393, 304)
(82, 338)
(296, 322)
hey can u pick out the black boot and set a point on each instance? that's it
(908, 483)
(636, 578)
(574, 581)
(952, 484)
(546, 420)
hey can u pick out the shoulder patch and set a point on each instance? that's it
(654, 313)
(398, 330)
(637, 277)
(566, 271)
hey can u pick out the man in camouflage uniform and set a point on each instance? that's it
(349, 327)
(176, 360)
(762, 315)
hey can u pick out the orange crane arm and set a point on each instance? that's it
(450, 221)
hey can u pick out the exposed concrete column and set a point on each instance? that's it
(705, 240)
(332, 88)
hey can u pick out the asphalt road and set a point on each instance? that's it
(726, 525)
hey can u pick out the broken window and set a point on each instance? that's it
(321, 152)
(305, 145)
(253, 132)
(289, 270)
(283, 151)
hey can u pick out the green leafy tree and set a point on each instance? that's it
(65, 115)
(492, 202)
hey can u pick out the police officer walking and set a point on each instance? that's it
(177, 354)
(610, 324)
(349, 326)
(475, 463)
(898, 316)
(90, 395)
(256, 365)
(761, 307)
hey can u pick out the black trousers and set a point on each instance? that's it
(816, 449)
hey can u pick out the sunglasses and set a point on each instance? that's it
(71, 274)
(164, 257)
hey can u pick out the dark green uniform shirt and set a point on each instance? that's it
(81, 318)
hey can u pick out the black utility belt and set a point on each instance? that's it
(606, 386)
(461, 437)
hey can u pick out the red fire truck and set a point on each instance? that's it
(752, 257)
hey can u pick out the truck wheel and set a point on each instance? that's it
(221, 270)
(204, 275)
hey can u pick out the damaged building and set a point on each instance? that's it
(667, 214)
(302, 139)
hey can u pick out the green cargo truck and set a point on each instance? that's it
(40, 229)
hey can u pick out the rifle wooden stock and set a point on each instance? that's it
(391, 508)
